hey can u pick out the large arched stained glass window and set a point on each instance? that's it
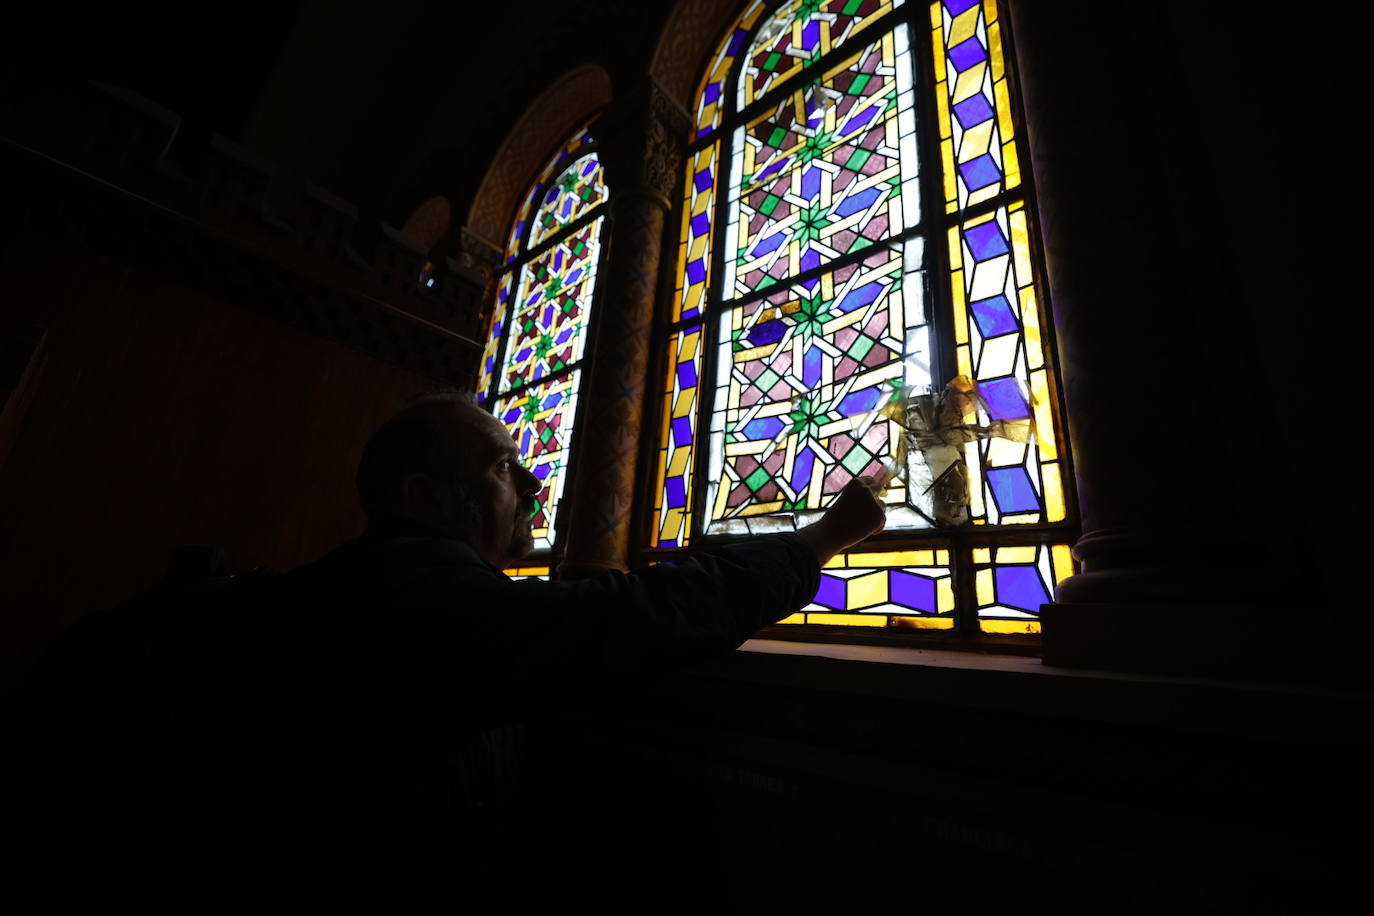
(531, 366)
(855, 293)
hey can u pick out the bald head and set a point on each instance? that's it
(445, 462)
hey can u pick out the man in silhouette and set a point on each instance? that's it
(381, 733)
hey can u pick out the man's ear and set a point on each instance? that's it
(418, 493)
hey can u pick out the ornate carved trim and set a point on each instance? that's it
(570, 101)
(688, 38)
(642, 139)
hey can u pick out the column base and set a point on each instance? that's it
(1234, 641)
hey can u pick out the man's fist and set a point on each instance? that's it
(854, 515)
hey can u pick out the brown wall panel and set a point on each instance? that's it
(168, 418)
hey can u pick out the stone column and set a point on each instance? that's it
(642, 141)
(1176, 573)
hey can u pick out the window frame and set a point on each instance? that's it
(967, 630)
(513, 266)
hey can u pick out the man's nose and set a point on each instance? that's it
(531, 484)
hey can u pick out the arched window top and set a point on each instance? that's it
(532, 363)
(799, 33)
(539, 196)
(576, 190)
(795, 34)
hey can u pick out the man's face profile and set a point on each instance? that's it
(492, 503)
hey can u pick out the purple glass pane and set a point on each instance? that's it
(986, 241)
(973, 110)
(1003, 398)
(1012, 490)
(831, 592)
(967, 53)
(1020, 587)
(682, 431)
(980, 172)
(912, 591)
(994, 316)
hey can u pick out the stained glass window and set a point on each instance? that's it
(531, 363)
(856, 292)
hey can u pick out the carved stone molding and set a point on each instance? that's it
(643, 139)
(570, 102)
(692, 31)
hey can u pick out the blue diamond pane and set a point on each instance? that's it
(811, 35)
(801, 470)
(701, 224)
(711, 94)
(986, 240)
(696, 271)
(980, 172)
(915, 592)
(1020, 587)
(703, 179)
(859, 402)
(675, 492)
(686, 375)
(737, 41)
(682, 431)
(994, 316)
(860, 120)
(811, 366)
(956, 7)
(861, 297)
(811, 182)
(857, 203)
(1012, 490)
(831, 592)
(967, 53)
(542, 470)
(768, 245)
(810, 259)
(769, 332)
(974, 110)
(762, 428)
(1004, 399)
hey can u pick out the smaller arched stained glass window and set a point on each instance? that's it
(532, 362)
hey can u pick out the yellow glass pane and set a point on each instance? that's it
(1062, 555)
(963, 27)
(961, 354)
(1011, 165)
(924, 623)
(982, 555)
(835, 562)
(1020, 246)
(1054, 492)
(982, 586)
(867, 591)
(891, 558)
(1009, 626)
(942, 558)
(1017, 554)
(944, 595)
(848, 620)
(994, 30)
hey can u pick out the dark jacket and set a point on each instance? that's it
(381, 732)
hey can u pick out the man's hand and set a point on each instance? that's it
(854, 515)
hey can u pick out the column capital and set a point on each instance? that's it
(478, 255)
(643, 139)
